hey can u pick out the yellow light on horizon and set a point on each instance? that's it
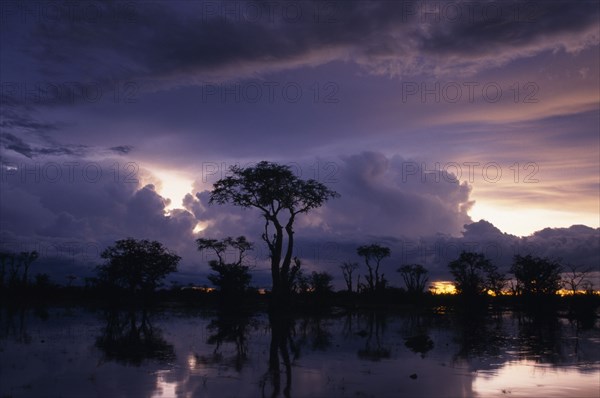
(442, 287)
(526, 220)
(569, 292)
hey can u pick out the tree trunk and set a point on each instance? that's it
(276, 259)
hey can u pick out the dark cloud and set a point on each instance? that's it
(13, 143)
(492, 26)
(175, 41)
(16, 144)
(122, 149)
(27, 136)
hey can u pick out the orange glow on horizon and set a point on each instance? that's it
(442, 287)
(569, 292)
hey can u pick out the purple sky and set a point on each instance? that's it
(426, 117)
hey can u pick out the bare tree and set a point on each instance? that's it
(348, 269)
(415, 277)
(575, 278)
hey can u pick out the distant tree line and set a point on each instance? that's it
(139, 267)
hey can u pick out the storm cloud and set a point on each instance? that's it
(117, 117)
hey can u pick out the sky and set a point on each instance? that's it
(444, 126)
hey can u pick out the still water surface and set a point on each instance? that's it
(72, 352)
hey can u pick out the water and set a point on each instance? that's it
(73, 352)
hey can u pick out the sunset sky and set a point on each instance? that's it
(426, 117)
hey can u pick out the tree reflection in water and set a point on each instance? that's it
(511, 336)
(313, 330)
(282, 330)
(13, 325)
(415, 329)
(374, 349)
(228, 328)
(540, 338)
(130, 338)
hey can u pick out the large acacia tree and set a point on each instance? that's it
(280, 196)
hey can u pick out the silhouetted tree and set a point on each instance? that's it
(536, 276)
(496, 281)
(373, 254)
(281, 197)
(320, 283)
(14, 268)
(27, 258)
(348, 269)
(575, 278)
(298, 282)
(136, 265)
(4, 259)
(415, 277)
(42, 281)
(471, 273)
(232, 279)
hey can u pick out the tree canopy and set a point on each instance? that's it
(373, 254)
(473, 273)
(414, 276)
(136, 265)
(231, 278)
(536, 276)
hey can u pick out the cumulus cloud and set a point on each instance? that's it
(69, 207)
(420, 214)
(395, 197)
